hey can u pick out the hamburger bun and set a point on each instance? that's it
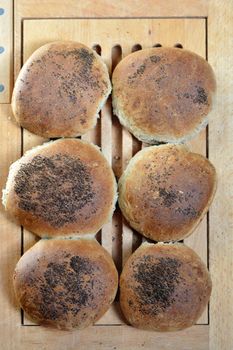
(166, 190)
(60, 90)
(164, 287)
(65, 284)
(163, 94)
(62, 188)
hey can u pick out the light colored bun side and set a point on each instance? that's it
(164, 287)
(60, 90)
(14, 167)
(166, 190)
(163, 94)
(62, 188)
(151, 139)
(65, 284)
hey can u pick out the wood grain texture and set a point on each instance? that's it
(10, 250)
(108, 8)
(6, 50)
(220, 55)
(220, 33)
(112, 338)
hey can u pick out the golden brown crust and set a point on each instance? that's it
(60, 90)
(65, 284)
(164, 287)
(163, 94)
(65, 187)
(166, 190)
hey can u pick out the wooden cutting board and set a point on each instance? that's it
(114, 31)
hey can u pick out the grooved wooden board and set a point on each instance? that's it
(197, 29)
(117, 143)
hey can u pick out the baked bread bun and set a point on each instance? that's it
(166, 190)
(62, 188)
(60, 90)
(163, 94)
(65, 284)
(164, 287)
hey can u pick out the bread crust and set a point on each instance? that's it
(166, 190)
(65, 284)
(62, 188)
(163, 94)
(164, 287)
(60, 90)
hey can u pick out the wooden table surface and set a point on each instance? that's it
(205, 27)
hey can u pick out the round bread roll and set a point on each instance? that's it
(166, 190)
(64, 187)
(65, 284)
(164, 287)
(60, 90)
(163, 94)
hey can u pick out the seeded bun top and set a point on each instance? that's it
(163, 94)
(60, 90)
(166, 190)
(65, 284)
(164, 287)
(65, 187)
